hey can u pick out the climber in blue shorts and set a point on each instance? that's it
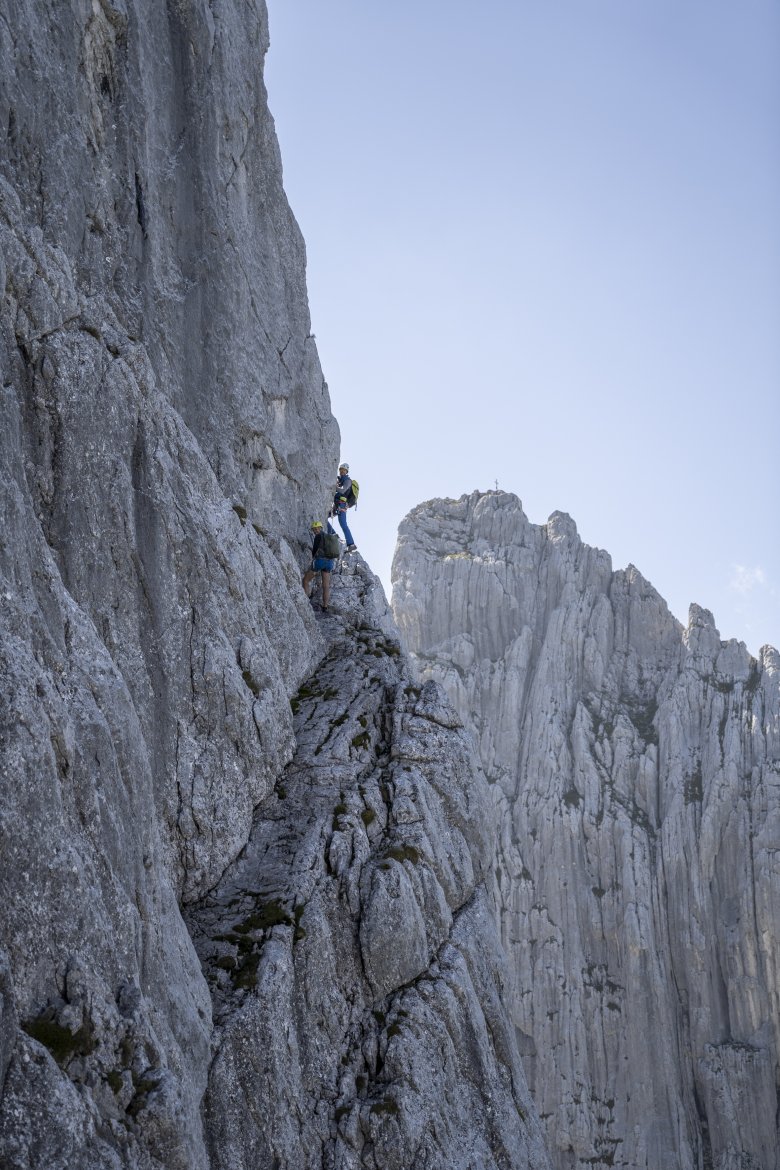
(320, 564)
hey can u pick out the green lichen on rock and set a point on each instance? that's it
(143, 1086)
(265, 916)
(387, 1107)
(403, 853)
(245, 974)
(305, 691)
(61, 1042)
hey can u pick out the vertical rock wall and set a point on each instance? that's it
(166, 435)
(138, 141)
(635, 767)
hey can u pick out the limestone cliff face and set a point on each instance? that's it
(164, 421)
(166, 436)
(635, 769)
(140, 150)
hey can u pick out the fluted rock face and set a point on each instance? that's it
(166, 437)
(635, 767)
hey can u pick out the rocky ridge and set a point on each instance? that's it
(635, 770)
(351, 949)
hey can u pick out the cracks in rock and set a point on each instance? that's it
(140, 207)
(11, 32)
(215, 16)
(294, 790)
(240, 162)
(337, 789)
(707, 1161)
(252, 302)
(283, 351)
(45, 423)
(256, 313)
(387, 1019)
(179, 793)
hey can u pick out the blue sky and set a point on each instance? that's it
(544, 249)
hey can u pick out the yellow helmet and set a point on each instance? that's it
(316, 524)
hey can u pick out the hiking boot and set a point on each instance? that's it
(351, 548)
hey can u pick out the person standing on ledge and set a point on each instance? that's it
(320, 563)
(344, 498)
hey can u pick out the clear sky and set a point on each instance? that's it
(543, 244)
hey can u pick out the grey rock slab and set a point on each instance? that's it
(356, 994)
(166, 436)
(634, 769)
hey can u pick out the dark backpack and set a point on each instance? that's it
(331, 545)
(352, 494)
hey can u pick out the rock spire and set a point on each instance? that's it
(635, 771)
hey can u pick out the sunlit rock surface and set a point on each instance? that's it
(635, 769)
(165, 440)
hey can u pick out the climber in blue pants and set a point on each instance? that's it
(341, 502)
